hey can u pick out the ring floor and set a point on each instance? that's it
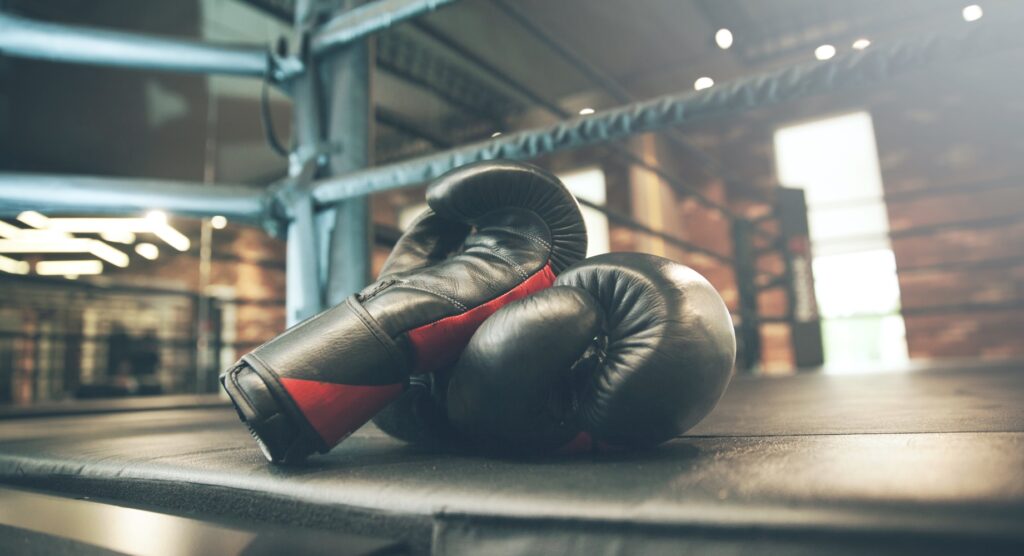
(929, 461)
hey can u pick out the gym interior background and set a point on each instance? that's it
(912, 185)
(860, 227)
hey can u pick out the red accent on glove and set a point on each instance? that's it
(439, 344)
(337, 410)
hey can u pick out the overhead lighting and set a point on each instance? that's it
(70, 245)
(9, 232)
(824, 52)
(723, 38)
(118, 236)
(172, 237)
(496, 134)
(861, 44)
(218, 222)
(586, 111)
(148, 251)
(33, 218)
(972, 12)
(703, 83)
(108, 253)
(157, 216)
(13, 266)
(68, 268)
(155, 222)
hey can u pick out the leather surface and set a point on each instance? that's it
(341, 345)
(630, 348)
(491, 228)
(513, 384)
(934, 455)
(439, 343)
(472, 193)
(337, 410)
(520, 226)
(670, 348)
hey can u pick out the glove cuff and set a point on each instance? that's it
(312, 386)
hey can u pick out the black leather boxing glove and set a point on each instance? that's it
(495, 232)
(625, 349)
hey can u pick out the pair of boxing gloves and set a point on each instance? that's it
(488, 325)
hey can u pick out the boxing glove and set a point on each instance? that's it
(494, 232)
(624, 350)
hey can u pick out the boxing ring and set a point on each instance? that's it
(929, 460)
(792, 465)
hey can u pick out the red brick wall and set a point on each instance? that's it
(951, 166)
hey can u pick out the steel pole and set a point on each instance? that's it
(27, 38)
(351, 25)
(348, 118)
(67, 194)
(304, 284)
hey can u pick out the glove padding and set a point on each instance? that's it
(495, 232)
(626, 349)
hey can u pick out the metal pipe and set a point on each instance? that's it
(60, 194)
(360, 22)
(304, 287)
(348, 121)
(26, 38)
(856, 69)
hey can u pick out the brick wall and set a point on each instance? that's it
(954, 185)
(950, 149)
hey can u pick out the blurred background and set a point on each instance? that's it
(893, 213)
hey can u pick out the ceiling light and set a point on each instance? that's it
(13, 232)
(972, 12)
(113, 256)
(68, 268)
(824, 52)
(118, 236)
(154, 222)
(33, 218)
(70, 245)
(861, 44)
(13, 266)
(8, 231)
(723, 38)
(172, 237)
(586, 111)
(148, 251)
(157, 216)
(496, 134)
(218, 222)
(703, 83)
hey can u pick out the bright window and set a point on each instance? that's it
(588, 184)
(835, 161)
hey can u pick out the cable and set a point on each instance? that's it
(268, 122)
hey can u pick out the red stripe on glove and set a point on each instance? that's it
(337, 410)
(439, 344)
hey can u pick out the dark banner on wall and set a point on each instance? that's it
(807, 343)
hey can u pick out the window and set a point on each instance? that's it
(588, 184)
(835, 161)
